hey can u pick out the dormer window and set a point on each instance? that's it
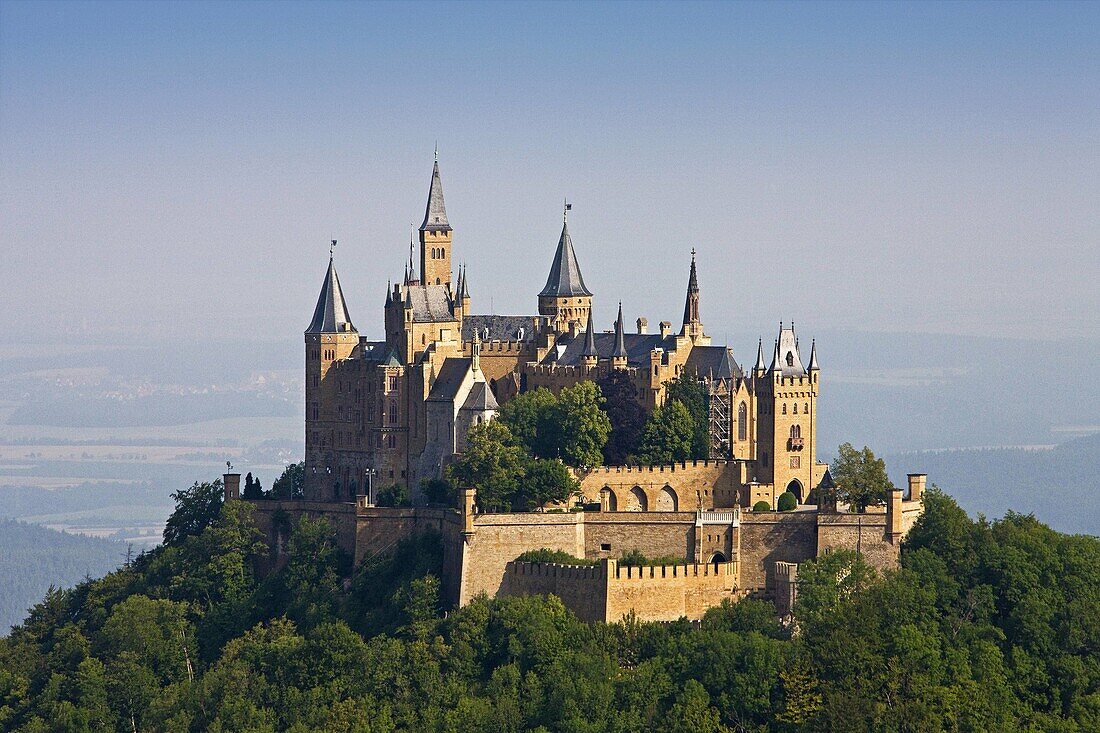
(790, 358)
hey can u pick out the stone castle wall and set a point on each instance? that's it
(696, 484)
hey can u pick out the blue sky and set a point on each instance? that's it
(888, 167)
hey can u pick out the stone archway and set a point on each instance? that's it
(795, 487)
(637, 501)
(716, 559)
(608, 500)
(667, 500)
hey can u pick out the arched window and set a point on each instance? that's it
(637, 501)
(790, 358)
(784, 408)
(796, 431)
(806, 407)
(743, 422)
(795, 408)
(666, 500)
(393, 411)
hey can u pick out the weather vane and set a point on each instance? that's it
(331, 246)
(565, 213)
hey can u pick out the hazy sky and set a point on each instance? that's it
(178, 169)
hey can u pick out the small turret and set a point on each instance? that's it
(618, 356)
(760, 367)
(813, 355)
(590, 356)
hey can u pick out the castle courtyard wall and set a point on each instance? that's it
(767, 538)
(697, 484)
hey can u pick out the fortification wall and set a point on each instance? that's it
(277, 518)
(767, 538)
(695, 484)
(378, 529)
(611, 534)
(583, 589)
(497, 539)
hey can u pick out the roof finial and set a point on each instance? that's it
(565, 211)
(332, 246)
(436, 151)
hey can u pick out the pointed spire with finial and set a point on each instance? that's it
(775, 358)
(760, 366)
(813, 354)
(389, 293)
(691, 305)
(590, 351)
(464, 289)
(620, 344)
(565, 278)
(331, 313)
(435, 215)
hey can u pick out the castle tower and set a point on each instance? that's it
(693, 326)
(618, 356)
(787, 394)
(435, 236)
(330, 339)
(565, 301)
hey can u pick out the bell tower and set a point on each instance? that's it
(435, 236)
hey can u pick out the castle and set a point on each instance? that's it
(398, 410)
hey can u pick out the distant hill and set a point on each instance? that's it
(33, 558)
(1056, 484)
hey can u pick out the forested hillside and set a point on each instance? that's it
(33, 558)
(987, 627)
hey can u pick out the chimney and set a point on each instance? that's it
(666, 327)
(232, 484)
(643, 325)
(893, 516)
(917, 483)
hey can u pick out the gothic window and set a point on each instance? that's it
(393, 411)
(796, 431)
(393, 444)
(806, 407)
(393, 382)
(784, 408)
(795, 408)
(796, 461)
(743, 422)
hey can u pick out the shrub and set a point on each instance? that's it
(636, 558)
(787, 502)
(555, 556)
(761, 506)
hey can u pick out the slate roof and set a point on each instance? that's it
(430, 303)
(449, 379)
(787, 350)
(713, 361)
(331, 313)
(435, 215)
(501, 328)
(638, 346)
(565, 274)
(378, 352)
(480, 398)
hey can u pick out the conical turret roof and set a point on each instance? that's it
(435, 215)
(331, 313)
(590, 339)
(760, 356)
(620, 344)
(565, 274)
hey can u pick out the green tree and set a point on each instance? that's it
(151, 634)
(315, 564)
(493, 462)
(861, 479)
(393, 495)
(688, 391)
(196, 509)
(252, 488)
(581, 426)
(692, 712)
(530, 419)
(668, 435)
(546, 481)
(626, 415)
(292, 483)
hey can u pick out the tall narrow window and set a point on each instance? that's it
(743, 422)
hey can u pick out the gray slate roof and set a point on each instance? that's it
(638, 346)
(715, 362)
(480, 398)
(565, 274)
(435, 215)
(430, 303)
(787, 350)
(449, 379)
(331, 313)
(501, 328)
(378, 352)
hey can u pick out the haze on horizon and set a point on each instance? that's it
(177, 170)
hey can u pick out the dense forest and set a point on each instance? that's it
(33, 558)
(988, 626)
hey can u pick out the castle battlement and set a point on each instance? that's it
(661, 468)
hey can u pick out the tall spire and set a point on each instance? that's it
(760, 356)
(435, 215)
(389, 292)
(464, 288)
(331, 313)
(813, 354)
(590, 340)
(775, 358)
(458, 285)
(565, 274)
(620, 345)
(691, 305)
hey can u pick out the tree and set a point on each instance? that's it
(581, 426)
(546, 481)
(292, 483)
(252, 488)
(312, 575)
(786, 502)
(626, 414)
(530, 418)
(493, 462)
(860, 478)
(687, 390)
(196, 509)
(668, 435)
(394, 494)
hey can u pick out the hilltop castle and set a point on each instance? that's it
(396, 410)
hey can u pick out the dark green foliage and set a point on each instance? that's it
(786, 502)
(668, 435)
(860, 478)
(635, 557)
(547, 481)
(291, 484)
(196, 509)
(553, 556)
(438, 492)
(689, 392)
(988, 626)
(393, 495)
(570, 425)
(761, 506)
(252, 488)
(626, 415)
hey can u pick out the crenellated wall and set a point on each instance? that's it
(693, 485)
